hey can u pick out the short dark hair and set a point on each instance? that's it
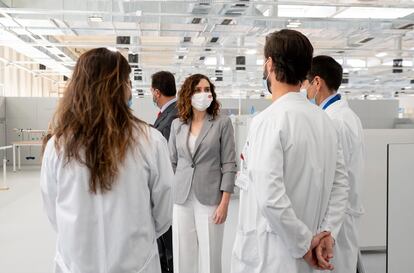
(291, 53)
(328, 69)
(164, 81)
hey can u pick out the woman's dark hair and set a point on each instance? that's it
(291, 53)
(185, 110)
(93, 123)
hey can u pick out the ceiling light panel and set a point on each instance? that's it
(46, 31)
(7, 22)
(36, 23)
(299, 11)
(373, 13)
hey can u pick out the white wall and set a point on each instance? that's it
(17, 82)
(400, 206)
(27, 113)
(376, 114)
(374, 185)
(2, 121)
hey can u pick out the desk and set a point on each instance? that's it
(3, 186)
(17, 145)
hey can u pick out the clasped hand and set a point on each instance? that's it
(321, 251)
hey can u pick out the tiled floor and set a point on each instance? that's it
(27, 241)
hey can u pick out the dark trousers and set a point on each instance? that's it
(166, 251)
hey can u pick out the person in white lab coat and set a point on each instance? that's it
(324, 80)
(106, 175)
(293, 176)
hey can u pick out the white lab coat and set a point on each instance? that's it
(114, 232)
(295, 177)
(351, 136)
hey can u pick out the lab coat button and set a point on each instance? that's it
(192, 166)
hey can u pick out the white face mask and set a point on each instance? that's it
(201, 101)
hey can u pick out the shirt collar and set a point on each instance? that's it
(168, 104)
(327, 99)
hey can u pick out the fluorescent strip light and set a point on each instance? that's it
(373, 13)
(356, 63)
(95, 19)
(301, 11)
(251, 51)
(210, 61)
(381, 54)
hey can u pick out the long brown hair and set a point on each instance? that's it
(185, 110)
(93, 123)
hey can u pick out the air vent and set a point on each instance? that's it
(133, 58)
(411, 81)
(196, 20)
(207, 49)
(181, 57)
(345, 78)
(61, 55)
(340, 52)
(187, 39)
(123, 40)
(397, 65)
(37, 37)
(202, 58)
(226, 21)
(219, 75)
(214, 40)
(366, 40)
(240, 63)
(140, 93)
(137, 78)
(42, 67)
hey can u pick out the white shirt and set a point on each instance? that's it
(296, 178)
(114, 232)
(165, 106)
(191, 142)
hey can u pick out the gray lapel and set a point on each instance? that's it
(207, 124)
(185, 133)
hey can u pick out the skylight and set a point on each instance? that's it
(373, 13)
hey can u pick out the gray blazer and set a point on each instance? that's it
(213, 167)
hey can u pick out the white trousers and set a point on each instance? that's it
(197, 241)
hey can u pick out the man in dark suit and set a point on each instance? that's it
(163, 94)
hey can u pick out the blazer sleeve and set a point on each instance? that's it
(227, 157)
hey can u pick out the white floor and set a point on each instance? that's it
(27, 241)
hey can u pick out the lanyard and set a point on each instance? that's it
(332, 100)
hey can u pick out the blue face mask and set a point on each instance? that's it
(313, 100)
(130, 103)
(265, 82)
(266, 85)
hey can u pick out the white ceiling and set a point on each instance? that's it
(364, 35)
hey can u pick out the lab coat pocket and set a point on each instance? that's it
(246, 248)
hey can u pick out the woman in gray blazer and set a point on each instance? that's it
(202, 153)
